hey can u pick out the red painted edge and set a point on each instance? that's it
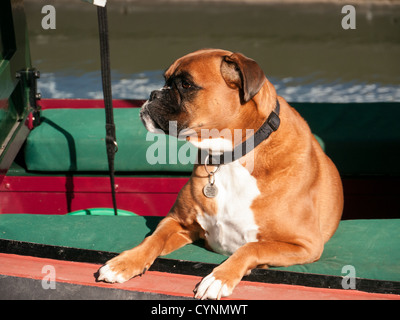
(92, 184)
(60, 195)
(169, 283)
(87, 103)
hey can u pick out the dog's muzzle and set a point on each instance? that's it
(146, 119)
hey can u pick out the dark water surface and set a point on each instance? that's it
(303, 49)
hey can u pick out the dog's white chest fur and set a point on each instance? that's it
(233, 225)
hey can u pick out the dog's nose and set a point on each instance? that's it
(156, 94)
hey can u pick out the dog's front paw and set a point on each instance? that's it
(121, 269)
(107, 274)
(212, 288)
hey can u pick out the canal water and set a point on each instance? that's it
(303, 49)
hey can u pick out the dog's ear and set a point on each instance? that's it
(243, 73)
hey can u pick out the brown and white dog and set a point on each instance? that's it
(275, 206)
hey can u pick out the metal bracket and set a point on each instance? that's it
(29, 78)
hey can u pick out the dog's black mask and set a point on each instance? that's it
(163, 108)
(166, 107)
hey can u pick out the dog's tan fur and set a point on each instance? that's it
(301, 198)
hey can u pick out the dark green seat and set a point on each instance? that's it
(359, 138)
(73, 140)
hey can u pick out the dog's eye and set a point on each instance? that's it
(186, 85)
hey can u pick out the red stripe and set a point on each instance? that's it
(60, 195)
(168, 283)
(87, 103)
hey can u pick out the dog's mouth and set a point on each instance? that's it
(150, 124)
(158, 124)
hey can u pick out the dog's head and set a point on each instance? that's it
(208, 89)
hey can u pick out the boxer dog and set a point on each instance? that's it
(275, 203)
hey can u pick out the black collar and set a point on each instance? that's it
(269, 126)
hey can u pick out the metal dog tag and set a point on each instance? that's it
(210, 190)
